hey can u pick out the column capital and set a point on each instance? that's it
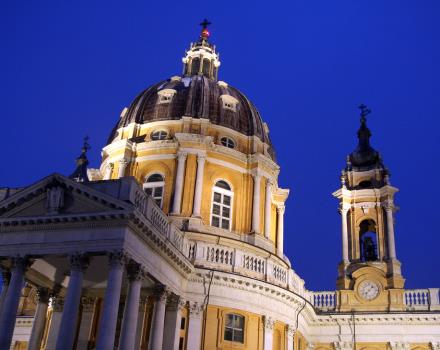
(88, 303)
(79, 262)
(201, 158)
(257, 175)
(57, 304)
(160, 293)
(20, 263)
(399, 345)
(43, 295)
(135, 272)
(281, 209)
(195, 309)
(181, 156)
(435, 345)
(291, 331)
(268, 322)
(6, 276)
(175, 302)
(109, 166)
(123, 161)
(117, 258)
(388, 205)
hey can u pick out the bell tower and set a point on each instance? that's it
(369, 275)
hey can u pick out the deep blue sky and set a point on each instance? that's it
(68, 69)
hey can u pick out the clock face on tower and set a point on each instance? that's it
(368, 290)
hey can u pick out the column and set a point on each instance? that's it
(12, 298)
(122, 166)
(173, 318)
(108, 171)
(290, 337)
(158, 319)
(88, 309)
(199, 185)
(55, 321)
(268, 324)
(280, 230)
(66, 335)
(39, 319)
(131, 311)
(107, 325)
(6, 277)
(195, 319)
(344, 212)
(268, 210)
(256, 204)
(178, 188)
(390, 232)
(140, 323)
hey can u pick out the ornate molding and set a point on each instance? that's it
(291, 331)
(435, 345)
(134, 271)
(399, 345)
(195, 309)
(268, 322)
(343, 345)
(117, 259)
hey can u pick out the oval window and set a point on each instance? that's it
(159, 135)
(227, 142)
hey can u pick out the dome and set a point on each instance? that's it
(196, 96)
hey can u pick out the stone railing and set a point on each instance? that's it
(324, 300)
(422, 299)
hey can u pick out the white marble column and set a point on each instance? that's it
(107, 325)
(131, 311)
(178, 187)
(199, 185)
(268, 210)
(122, 166)
(55, 321)
(195, 321)
(173, 318)
(12, 298)
(158, 319)
(256, 204)
(344, 212)
(6, 277)
(290, 337)
(88, 308)
(66, 334)
(268, 324)
(390, 232)
(43, 297)
(108, 171)
(280, 230)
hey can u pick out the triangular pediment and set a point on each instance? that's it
(58, 195)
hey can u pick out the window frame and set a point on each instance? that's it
(153, 185)
(223, 192)
(233, 329)
(227, 138)
(159, 131)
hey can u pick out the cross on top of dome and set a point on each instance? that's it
(204, 35)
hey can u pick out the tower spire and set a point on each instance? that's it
(80, 173)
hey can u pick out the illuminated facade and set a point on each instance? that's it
(176, 241)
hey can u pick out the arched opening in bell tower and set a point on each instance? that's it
(368, 240)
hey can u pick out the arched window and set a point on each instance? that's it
(154, 188)
(368, 240)
(159, 135)
(234, 328)
(227, 142)
(206, 67)
(221, 213)
(195, 66)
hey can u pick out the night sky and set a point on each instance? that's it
(69, 68)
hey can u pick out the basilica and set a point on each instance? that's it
(176, 241)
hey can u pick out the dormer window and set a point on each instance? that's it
(165, 95)
(229, 102)
(227, 142)
(159, 135)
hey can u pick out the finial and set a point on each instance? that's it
(364, 112)
(80, 173)
(204, 35)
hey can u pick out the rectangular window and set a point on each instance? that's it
(234, 328)
(221, 211)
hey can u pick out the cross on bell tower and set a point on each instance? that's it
(369, 275)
